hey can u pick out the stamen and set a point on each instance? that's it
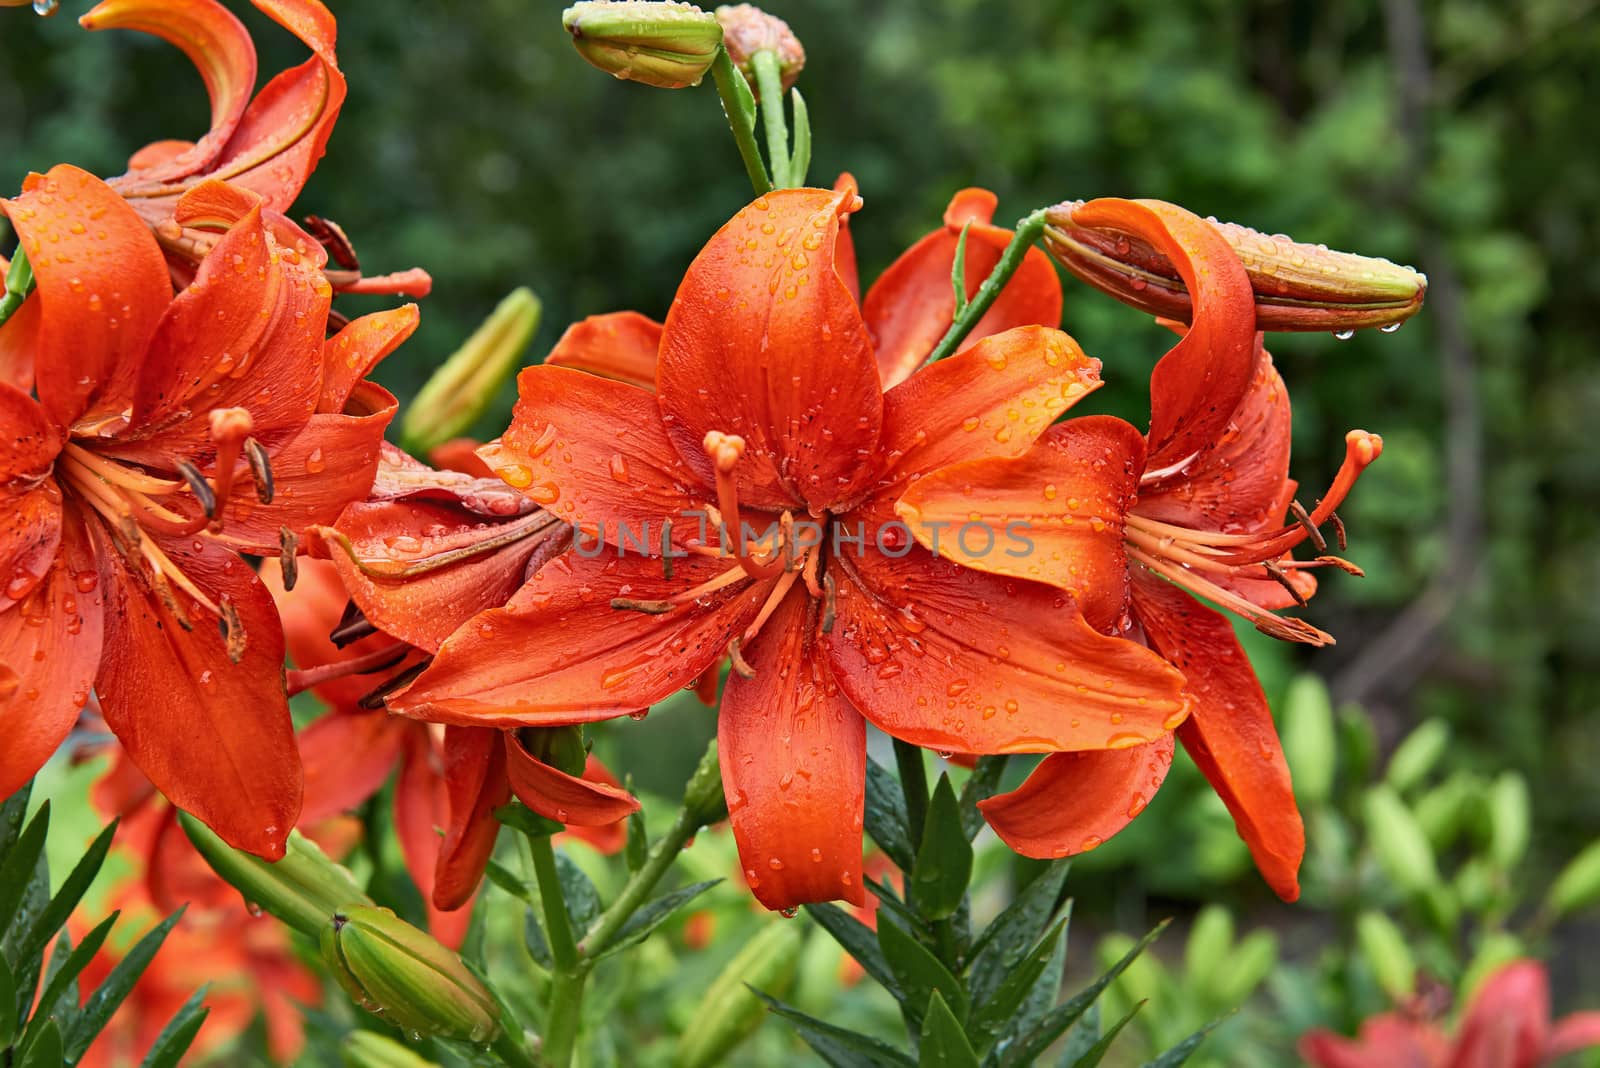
(1299, 512)
(1285, 627)
(725, 451)
(288, 561)
(813, 565)
(828, 602)
(199, 487)
(117, 474)
(1338, 530)
(775, 598)
(352, 627)
(260, 469)
(387, 657)
(1339, 562)
(331, 236)
(649, 608)
(374, 699)
(740, 666)
(232, 630)
(666, 549)
(1282, 578)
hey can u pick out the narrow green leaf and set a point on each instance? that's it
(13, 811)
(175, 1038)
(35, 899)
(1083, 1035)
(991, 1016)
(109, 995)
(918, 972)
(980, 785)
(1055, 1023)
(944, 1044)
(1009, 937)
(1181, 1053)
(859, 941)
(885, 816)
(46, 1051)
(8, 1006)
(653, 914)
(889, 901)
(507, 880)
(533, 936)
(19, 866)
(839, 1047)
(638, 844)
(54, 916)
(1044, 995)
(944, 861)
(800, 162)
(60, 991)
(958, 269)
(1097, 1051)
(582, 899)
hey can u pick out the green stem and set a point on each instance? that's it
(639, 885)
(1028, 231)
(511, 1052)
(769, 82)
(740, 112)
(19, 282)
(914, 783)
(563, 947)
(564, 1016)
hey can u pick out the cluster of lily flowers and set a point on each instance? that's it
(194, 482)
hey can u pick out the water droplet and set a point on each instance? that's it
(1388, 328)
(315, 464)
(45, 8)
(1344, 335)
(1094, 841)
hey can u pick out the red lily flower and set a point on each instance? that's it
(1193, 506)
(269, 144)
(121, 488)
(425, 552)
(1507, 1025)
(769, 405)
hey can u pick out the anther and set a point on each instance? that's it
(260, 469)
(740, 665)
(375, 698)
(1300, 513)
(288, 561)
(666, 549)
(232, 630)
(1342, 564)
(331, 236)
(1338, 530)
(352, 627)
(829, 602)
(1280, 576)
(649, 608)
(199, 487)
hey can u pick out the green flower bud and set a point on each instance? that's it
(703, 797)
(391, 968)
(1297, 286)
(303, 889)
(666, 45)
(747, 30)
(1207, 951)
(729, 1013)
(465, 384)
(1308, 739)
(1401, 847)
(1251, 962)
(1417, 755)
(1510, 820)
(368, 1049)
(1578, 885)
(1387, 954)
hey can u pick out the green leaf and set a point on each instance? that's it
(60, 992)
(885, 816)
(800, 161)
(1013, 932)
(109, 995)
(1082, 1036)
(1397, 840)
(839, 1047)
(175, 1038)
(889, 901)
(958, 269)
(1092, 1056)
(12, 813)
(583, 906)
(944, 861)
(859, 941)
(46, 1051)
(54, 916)
(1044, 995)
(991, 1016)
(980, 785)
(20, 865)
(943, 1043)
(653, 914)
(8, 1006)
(1181, 1053)
(1415, 757)
(918, 972)
(35, 899)
(507, 880)
(638, 844)
(1055, 1023)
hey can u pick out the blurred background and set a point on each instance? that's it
(1457, 136)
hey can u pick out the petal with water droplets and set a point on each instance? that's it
(580, 801)
(621, 346)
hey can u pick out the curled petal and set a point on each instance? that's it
(1074, 802)
(793, 754)
(421, 813)
(764, 341)
(621, 346)
(553, 794)
(1230, 734)
(19, 340)
(844, 250)
(1577, 1031)
(911, 305)
(352, 353)
(475, 779)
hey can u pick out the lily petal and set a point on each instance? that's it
(352, 353)
(844, 249)
(19, 340)
(952, 659)
(1230, 734)
(475, 778)
(1573, 1032)
(555, 795)
(1063, 504)
(348, 756)
(1199, 383)
(1074, 802)
(30, 500)
(558, 653)
(102, 285)
(912, 304)
(765, 341)
(1507, 1025)
(213, 735)
(621, 346)
(421, 812)
(794, 754)
(49, 649)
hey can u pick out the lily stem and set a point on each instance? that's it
(567, 978)
(19, 282)
(510, 1050)
(1028, 231)
(739, 108)
(769, 80)
(914, 784)
(639, 885)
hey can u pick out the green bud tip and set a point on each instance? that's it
(746, 30)
(391, 968)
(1298, 287)
(667, 45)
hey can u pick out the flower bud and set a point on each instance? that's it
(667, 45)
(1297, 286)
(303, 889)
(746, 30)
(391, 968)
(1401, 848)
(465, 384)
(703, 797)
(1387, 954)
(368, 1049)
(729, 1012)
(1578, 885)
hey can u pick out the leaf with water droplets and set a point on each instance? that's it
(944, 861)
(943, 1043)
(839, 1047)
(651, 916)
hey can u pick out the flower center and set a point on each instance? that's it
(1204, 561)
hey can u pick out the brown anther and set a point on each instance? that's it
(1338, 530)
(288, 560)
(232, 630)
(1298, 510)
(1343, 565)
(199, 487)
(1286, 628)
(331, 236)
(740, 666)
(666, 549)
(260, 469)
(1281, 577)
(649, 608)
(375, 698)
(352, 627)
(169, 599)
(829, 602)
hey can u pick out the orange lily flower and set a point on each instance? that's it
(268, 144)
(770, 404)
(426, 551)
(1129, 522)
(1506, 1025)
(126, 479)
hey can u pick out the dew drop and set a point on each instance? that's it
(1344, 335)
(1388, 328)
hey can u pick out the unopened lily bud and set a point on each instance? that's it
(1387, 954)
(1578, 885)
(368, 1049)
(466, 383)
(666, 45)
(1297, 286)
(729, 1013)
(303, 889)
(703, 797)
(391, 968)
(746, 30)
